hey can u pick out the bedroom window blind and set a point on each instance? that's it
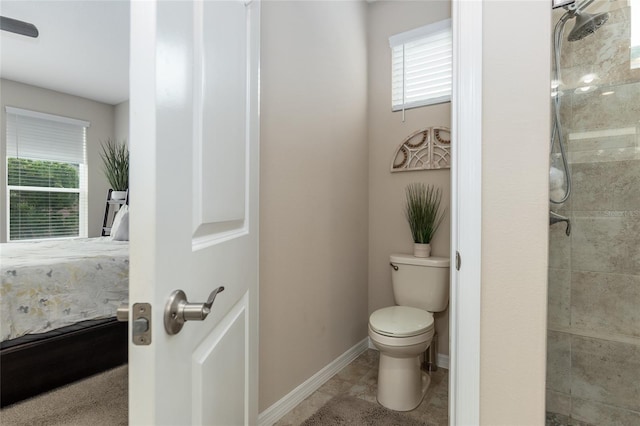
(46, 175)
(421, 66)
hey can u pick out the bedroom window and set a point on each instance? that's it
(46, 176)
(421, 66)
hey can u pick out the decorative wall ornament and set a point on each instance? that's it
(425, 149)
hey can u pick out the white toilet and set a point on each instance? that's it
(402, 333)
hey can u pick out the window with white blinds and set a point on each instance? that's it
(421, 66)
(46, 175)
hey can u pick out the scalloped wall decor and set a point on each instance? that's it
(426, 149)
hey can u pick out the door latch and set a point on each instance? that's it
(177, 311)
(458, 260)
(141, 327)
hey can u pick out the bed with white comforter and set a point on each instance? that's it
(51, 284)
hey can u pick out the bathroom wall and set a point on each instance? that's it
(314, 189)
(594, 275)
(515, 121)
(388, 228)
(99, 114)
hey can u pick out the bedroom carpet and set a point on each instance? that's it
(352, 411)
(100, 400)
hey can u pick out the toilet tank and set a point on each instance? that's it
(420, 282)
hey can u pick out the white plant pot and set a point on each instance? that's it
(118, 195)
(421, 250)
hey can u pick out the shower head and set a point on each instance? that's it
(586, 24)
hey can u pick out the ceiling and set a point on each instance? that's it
(83, 47)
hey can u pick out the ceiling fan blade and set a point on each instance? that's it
(18, 27)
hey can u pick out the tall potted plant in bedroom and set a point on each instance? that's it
(424, 216)
(115, 158)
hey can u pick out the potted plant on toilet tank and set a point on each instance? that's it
(424, 216)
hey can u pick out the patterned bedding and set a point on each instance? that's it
(50, 284)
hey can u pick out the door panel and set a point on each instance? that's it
(225, 60)
(217, 357)
(194, 221)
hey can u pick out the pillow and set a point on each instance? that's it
(120, 226)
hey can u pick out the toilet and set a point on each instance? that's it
(403, 332)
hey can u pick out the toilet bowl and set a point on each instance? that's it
(401, 334)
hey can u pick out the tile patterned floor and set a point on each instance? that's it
(359, 379)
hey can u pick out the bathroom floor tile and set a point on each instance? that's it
(360, 379)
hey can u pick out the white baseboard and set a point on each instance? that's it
(441, 359)
(274, 413)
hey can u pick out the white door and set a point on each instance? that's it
(194, 208)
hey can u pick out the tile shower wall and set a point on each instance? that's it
(593, 351)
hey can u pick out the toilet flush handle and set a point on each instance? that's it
(395, 267)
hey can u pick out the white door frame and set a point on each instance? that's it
(466, 212)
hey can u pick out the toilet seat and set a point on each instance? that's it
(401, 321)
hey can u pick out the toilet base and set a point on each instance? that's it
(402, 385)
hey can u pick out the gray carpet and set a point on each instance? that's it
(100, 400)
(349, 410)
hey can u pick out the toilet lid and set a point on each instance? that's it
(401, 321)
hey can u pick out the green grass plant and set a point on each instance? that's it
(115, 158)
(423, 211)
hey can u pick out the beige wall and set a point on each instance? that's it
(101, 117)
(314, 189)
(515, 142)
(121, 121)
(388, 228)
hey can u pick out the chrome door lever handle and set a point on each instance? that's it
(178, 311)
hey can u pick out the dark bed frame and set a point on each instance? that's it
(32, 364)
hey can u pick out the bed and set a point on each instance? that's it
(58, 302)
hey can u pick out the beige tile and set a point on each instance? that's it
(603, 155)
(559, 298)
(558, 402)
(606, 244)
(335, 386)
(606, 303)
(591, 184)
(606, 186)
(369, 358)
(605, 52)
(440, 378)
(305, 409)
(364, 391)
(433, 410)
(602, 143)
(435, 417)
(559, 247)
(371, 378)
(558, 361)
(593, 111)
(353, 372)
(605, 371)
(603, 415)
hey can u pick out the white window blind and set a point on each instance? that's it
(421, 66)
(46, 175)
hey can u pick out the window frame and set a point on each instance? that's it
(83, 184)
(400, 40)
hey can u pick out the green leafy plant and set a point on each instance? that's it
(115, 158)
(423, 211)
